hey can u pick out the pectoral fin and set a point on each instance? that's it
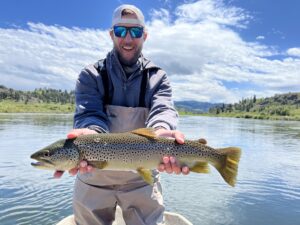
(146, 174)
(200, 167)
(98, 164)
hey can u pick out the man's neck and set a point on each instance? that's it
(129, 70)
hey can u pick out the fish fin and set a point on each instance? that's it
(98, 164)
(202, 141)
(145, 132)
(200, 167)
(228, 167)
(146, 174)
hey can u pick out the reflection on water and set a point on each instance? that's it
(28, 196)
(267, 191)
(35, 119)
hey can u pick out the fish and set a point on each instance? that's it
(140, 150)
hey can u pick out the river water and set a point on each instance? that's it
(267, 191)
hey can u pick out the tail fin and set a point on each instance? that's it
(228, 167)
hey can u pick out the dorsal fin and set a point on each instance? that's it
(202, 141)
(145, 132)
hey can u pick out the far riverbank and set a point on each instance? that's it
(10, 106)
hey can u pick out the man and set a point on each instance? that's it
(123, 92)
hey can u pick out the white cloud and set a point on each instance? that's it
(294, 52)
(48, 56)
(203, 54)
(214, 11)
(260, 37)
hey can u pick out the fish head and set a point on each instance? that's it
(61, 155)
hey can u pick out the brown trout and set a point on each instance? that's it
(139, 150)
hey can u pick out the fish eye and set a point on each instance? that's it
(47, 154)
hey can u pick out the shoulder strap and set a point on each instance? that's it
(143, 87)
(144, 83)
(100, 66)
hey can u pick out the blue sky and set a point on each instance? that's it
(277, 21)
(212, 50)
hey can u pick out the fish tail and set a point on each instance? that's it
(228, 166)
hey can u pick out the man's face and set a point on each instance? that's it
(128, 48)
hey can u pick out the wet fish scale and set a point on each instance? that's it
(138, 148)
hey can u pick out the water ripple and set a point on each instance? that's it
(267, 190)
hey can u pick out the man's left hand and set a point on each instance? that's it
(170, 164)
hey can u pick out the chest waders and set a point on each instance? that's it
(97, 194)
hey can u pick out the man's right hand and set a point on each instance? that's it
(83, 166)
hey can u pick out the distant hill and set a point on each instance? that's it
(280, 106)
(41, 95)
(194, 106)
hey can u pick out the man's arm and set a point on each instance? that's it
(89, 94)
(162, 111)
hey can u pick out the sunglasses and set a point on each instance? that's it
(135, 32)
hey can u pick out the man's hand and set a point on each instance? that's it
(170, 165)
(83, 166)
(82, 131)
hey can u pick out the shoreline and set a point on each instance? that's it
(255, 116)
(12, 107)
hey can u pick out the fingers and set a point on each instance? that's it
(166, 161)
(71, 135)
(170, 165)
(74, 133)
(185, 170)
(83, 168)
(58, 174)
(90, 169)
(174, 166)
(77, 132)
(179, 137)
(73, 171)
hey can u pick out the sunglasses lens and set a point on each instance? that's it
(135, 32)
(120, 31)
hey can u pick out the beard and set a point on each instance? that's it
(128, 61)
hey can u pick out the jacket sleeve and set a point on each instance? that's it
(89, 94)
(162, 111)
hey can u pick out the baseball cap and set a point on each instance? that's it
(117, 16)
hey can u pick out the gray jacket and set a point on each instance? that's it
(89, 94)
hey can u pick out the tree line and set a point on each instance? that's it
(39, 95)
(280, 104)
